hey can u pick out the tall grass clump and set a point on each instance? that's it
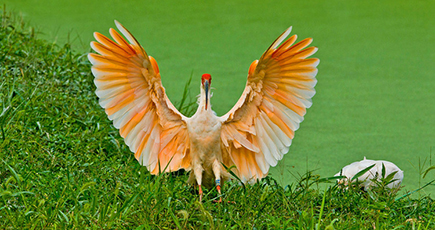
(63, 165)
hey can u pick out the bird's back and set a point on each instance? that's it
(205, 143)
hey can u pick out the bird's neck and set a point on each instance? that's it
(202, 101)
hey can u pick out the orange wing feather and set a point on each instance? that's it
(278, 91)
(130, 90)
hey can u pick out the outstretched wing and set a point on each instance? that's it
(259, 129)
(131, 92)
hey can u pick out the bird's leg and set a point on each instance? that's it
(216, 170)
(218, 187)
(198, 176)
(200, 193)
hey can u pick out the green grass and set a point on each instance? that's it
(375, 82)
(64, 166)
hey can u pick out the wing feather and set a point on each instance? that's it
(130, 90)
(277, 94)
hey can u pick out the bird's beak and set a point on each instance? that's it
(206, 87)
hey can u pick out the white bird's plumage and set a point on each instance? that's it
(349, 171)
(253, 135)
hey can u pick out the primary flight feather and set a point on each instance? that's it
(253, 135)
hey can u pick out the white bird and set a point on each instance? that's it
(366, 179)
(253, 135)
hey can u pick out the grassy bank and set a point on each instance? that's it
(375, 81)
(63, 165)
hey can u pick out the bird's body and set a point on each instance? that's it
(204, 131)
(349, 171)
(252, 136)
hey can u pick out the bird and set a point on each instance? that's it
(249, 139)
(349, 171)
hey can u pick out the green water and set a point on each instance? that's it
(376, 86)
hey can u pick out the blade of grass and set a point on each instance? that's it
(416, 190)
(233, 174)
(321, 210)
(360, 173)
(15, 174)
(428, 170)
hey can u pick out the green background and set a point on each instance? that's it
(376, 87)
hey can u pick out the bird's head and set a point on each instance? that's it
(205, 85)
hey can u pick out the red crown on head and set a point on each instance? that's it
(207, 77)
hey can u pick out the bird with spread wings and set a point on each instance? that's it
(252, 136)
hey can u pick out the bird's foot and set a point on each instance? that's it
(220, 201)
(218, 188)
